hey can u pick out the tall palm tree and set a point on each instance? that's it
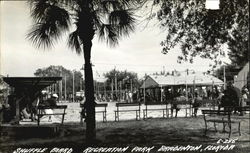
(108, 19)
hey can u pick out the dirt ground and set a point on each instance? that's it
(153, 132)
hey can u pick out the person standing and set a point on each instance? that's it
(196, 105)
(130, 97)
(244, 99)
(230, 98)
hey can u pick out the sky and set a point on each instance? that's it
(140, 52)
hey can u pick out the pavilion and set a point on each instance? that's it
(154, 84)
(26, 88)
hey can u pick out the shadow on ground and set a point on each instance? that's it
(151, 132)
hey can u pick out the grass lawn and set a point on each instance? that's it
(143, 133)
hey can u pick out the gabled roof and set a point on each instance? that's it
(171, 80)
(163, 80)
(149, 82)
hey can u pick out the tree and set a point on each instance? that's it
(122, 82)
(109, 19)
(238, 44)
(60, 71)
(202, 32)
(122, 76)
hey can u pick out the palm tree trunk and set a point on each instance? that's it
(89, 94)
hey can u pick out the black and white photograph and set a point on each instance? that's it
(124, 76)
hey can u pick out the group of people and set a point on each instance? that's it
(231, 98)
(195, 103)
(28, 104)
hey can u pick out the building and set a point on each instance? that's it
(158, 86)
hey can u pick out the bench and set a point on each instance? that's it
(158, 107)
(133, 107)
(220, 116)
(242, 112)
(41, 112)
(103, 110)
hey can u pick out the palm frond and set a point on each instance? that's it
(44, 11)
(97, 16)
(38, 9)
(41, 35)
(118, 23)
(112, 37)
(110, 18)
(50, 22)
(74, 42)
(108, 33)
(123, 21)
(101, 32)
(109, 5)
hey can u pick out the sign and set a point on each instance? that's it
(213, 4)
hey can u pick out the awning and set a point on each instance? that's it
(24, 82)
(241, 80)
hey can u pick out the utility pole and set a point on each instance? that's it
(60, 90)
(112, 89)
(73, 96)
(96, 87)
(131, 84)
(161, 94)
(120, 93)
(80, 83)
(213, 93)
(116, 84)
(105, 94)
(144, 90)
(186, 85)
(65, 89)
(55, 87)
(194, 88)
(224, 76)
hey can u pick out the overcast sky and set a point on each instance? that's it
(140, 52)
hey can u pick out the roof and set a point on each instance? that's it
(101, 80)
(201, 79)
(170, 80)
(20, 82)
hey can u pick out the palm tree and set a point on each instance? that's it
(108, 19)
